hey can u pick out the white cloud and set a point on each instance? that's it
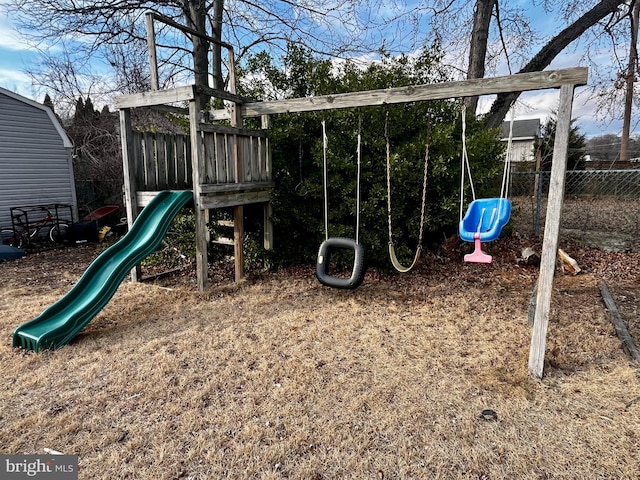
(7, 76)
(16, 82)
(9, 38)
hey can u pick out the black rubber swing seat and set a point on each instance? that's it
(324, 256)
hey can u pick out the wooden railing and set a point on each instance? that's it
(163, 160)
(253, 153)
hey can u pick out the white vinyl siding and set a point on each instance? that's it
(35, 157)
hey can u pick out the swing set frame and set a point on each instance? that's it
(565, 80)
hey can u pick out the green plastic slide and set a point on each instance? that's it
(62, 321)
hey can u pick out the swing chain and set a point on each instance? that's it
(386, 137)
(424, 185)
(424, 194)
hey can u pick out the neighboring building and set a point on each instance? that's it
(522, 140)
(35, 157)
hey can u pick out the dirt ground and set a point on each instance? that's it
(279, 377)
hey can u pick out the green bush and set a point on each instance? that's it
(178, 245)
(297, 153)
(255, 256)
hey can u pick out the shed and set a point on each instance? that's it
(35, 157)
(523, 138)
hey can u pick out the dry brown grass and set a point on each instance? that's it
(280, 377)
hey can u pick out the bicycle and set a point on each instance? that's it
(24, 232)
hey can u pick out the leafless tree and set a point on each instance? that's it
(477, 36)
(111, 34)
(603, 12)
(488, 33)
(630, 79)
(478, 44)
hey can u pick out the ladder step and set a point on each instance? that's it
(225, 223)
(223, 241)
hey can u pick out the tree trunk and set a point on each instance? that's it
(630, 81)
(216, 32)
(550, 51)
(196, 13)
(478, 49)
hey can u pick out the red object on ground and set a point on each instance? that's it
(101, 212)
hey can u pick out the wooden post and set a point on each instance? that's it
(628, 345)
(268, 207)
(238, 211)
(129, 169)
(151, 46)
(238, 241)
(551, 233)
(537, 191)
(531, 309)
(198, 165)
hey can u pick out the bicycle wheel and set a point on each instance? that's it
(9, 237)
(58, 233)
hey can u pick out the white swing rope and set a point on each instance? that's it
(325, 181)
(465, 167)
(506, 172)
(358, 180)
(392, 254)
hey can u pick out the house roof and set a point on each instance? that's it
(54, 120)
(522, 129)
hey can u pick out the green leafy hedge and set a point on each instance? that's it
(297, 151)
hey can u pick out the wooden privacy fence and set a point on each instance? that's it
(163, 160)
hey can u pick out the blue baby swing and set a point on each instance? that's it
(485, 217)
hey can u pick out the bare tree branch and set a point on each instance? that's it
(550, 51)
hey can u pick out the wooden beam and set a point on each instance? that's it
(156, 97)
(220, 188)
(267, 239)
(521, 82)
(172, 95)
(531, 308)
(201, 214)
(628, 345)
(226, 129)
(211, 199)
(238, 210)
(129, 169)
(144, 198)
(151, 47)
(184, 28)
(224, 95)
(551, 232)
(234, 199)
(171, 109)
(238, 242)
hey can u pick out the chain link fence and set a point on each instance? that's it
(601, 207)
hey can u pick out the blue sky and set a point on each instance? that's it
(16, 56)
